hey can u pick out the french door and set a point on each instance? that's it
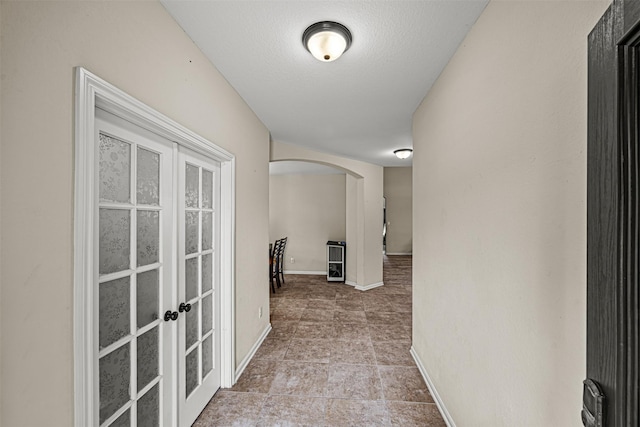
(199, 337)
(157, 360)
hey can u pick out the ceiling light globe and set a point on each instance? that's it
(403, 153)
(326, 46)
(327, 40)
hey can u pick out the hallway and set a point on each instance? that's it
(335, 357)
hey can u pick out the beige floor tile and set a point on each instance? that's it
(229, 408)
(409, 414)
(352, 331)
(343, 316)
(353, 352)
(389, 332)
(321, 304)
(345, 412)
(257, 377)
(292, 411)
(293, 303)
(404, 384)
(349, 304)
(300, 379)
(314, 330)
(354, 382)
(315, 315)
(284, 313)
(394, 353)
(317, 350)
(386, 318)
(273, 348)
(283, 329)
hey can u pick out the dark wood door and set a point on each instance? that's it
(613, 210)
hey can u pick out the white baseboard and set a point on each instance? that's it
(398, 253)
(241, 367)
(363, 288)
(432, 389)
(314, 273)
(369, 287)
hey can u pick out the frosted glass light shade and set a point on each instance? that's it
(327, 40)
(326, 46)
(403, 153)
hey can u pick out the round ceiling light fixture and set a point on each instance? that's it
(327, 40)
(403, 153)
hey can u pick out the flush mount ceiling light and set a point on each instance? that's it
(403, 153)
(327, 40)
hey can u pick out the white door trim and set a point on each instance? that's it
(91, 91)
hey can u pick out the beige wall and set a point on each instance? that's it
(499, 218)
(354, 228)
(309, 210)
(398, 196)
(139, 48)
(368, 203)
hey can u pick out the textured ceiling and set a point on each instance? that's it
(359, 106)
(302, 168)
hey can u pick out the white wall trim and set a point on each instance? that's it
(432, 389)
(369, 287)
(252, 352)
(91, 91)
(398, 253)
(313, 273)
(351, 283)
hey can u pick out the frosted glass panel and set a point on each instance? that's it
(147, 357)
(207, 356)
(115, 309)
(147, 288)
(207, 230)
(115, 170)
(114, 251)
(192, 371)
(207, 272)
(192, 326)
(191, 190)
(207, 189)
(123, 420)
(149, 408)
(191, 232)
(148, 237)
(148, 177)
(207, 314)
(191, 278)
(114, 381)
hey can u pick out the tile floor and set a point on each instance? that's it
(335, 357)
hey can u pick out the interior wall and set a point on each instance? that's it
(499, 272)
(354, 262)
(398, 195)
(369, 206)
(308, 210)
(140, 49)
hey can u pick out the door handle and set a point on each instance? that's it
(184, 307)
(170, 315)
(593, 405)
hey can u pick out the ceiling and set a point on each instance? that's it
(302, 168)
(359, 106)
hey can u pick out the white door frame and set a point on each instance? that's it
(91, 91)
